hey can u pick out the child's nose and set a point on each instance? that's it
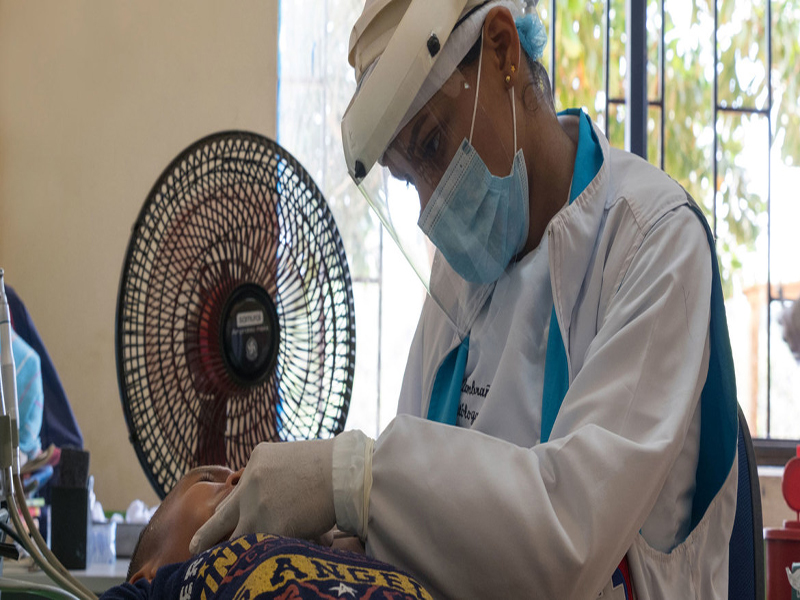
(234, 478)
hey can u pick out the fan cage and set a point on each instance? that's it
(232, 210)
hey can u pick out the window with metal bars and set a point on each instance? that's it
(708, 91)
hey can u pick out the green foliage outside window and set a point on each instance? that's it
(688, 90)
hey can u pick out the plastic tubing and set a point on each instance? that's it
(12, 484)
(51, 571)
(47, 591)
(9, 377)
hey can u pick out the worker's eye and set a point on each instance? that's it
(431, 145)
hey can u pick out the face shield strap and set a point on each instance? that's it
(470, 13)
(514, 104)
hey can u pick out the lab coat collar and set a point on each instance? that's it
(572, 234)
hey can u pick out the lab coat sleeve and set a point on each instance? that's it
(475, 516)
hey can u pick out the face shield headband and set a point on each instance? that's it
(386, 98)
(383, 97)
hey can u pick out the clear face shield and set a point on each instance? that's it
(452, 192)
(454, 176)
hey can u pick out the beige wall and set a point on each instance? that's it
(96, 97)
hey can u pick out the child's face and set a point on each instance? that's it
(195, 499)
(187, 507)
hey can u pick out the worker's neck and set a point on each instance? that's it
(552, 144)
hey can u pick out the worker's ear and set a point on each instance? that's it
(501, 40)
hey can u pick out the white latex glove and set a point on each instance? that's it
(286, 489)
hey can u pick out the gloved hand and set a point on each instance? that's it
(286, 489)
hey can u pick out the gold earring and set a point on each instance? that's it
(508, 79)
(513, 69)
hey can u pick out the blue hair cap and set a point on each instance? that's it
(532, 34)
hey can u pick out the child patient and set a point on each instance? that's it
(259, 565)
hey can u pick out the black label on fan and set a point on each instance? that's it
(250, 334)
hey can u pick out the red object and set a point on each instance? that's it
(622, 577)
(791, 483)
(783, 545)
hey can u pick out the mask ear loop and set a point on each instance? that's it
(510, 96)
(513, 115)
(477, 90)
(514, 104)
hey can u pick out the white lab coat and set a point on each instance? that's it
(489, 512)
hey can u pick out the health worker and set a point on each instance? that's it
(567, 423)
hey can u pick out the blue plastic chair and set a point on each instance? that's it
(746, 562)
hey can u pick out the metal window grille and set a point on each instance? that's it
(637, 104)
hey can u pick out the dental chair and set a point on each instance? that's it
(746, 558)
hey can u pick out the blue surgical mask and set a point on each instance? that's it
(477, 220)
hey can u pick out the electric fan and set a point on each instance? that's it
(235, 320)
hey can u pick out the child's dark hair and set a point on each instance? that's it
(139, 555)
(145, 545)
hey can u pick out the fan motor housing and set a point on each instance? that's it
(249, 334)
